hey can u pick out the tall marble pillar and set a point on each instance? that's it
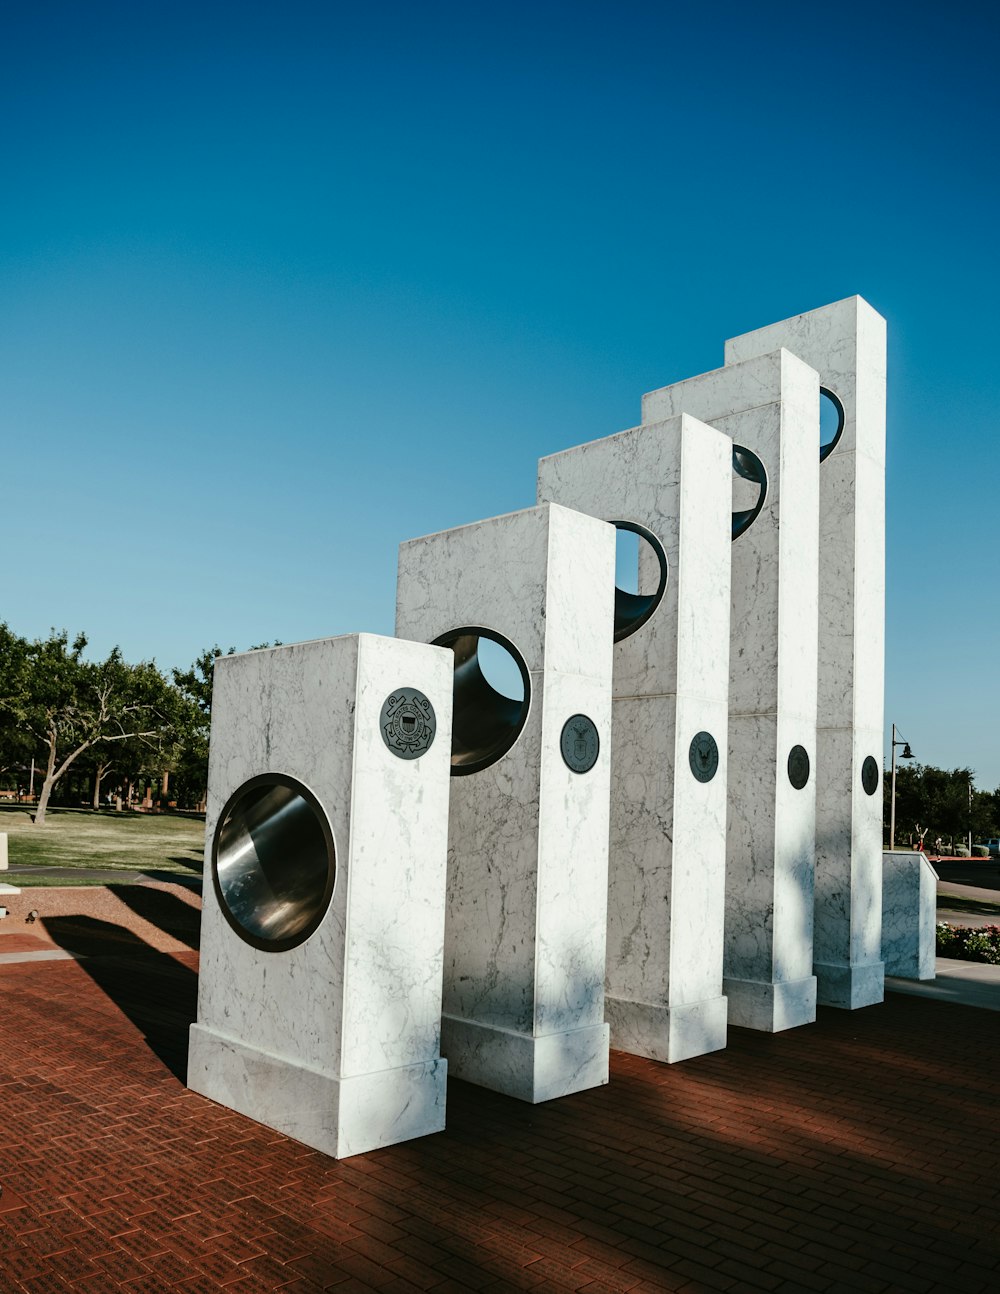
(322, 932)
(845, 343)
(769, 407)
(528, 836)
(667, 858)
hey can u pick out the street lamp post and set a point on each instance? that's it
(907, 754)
(970, 813)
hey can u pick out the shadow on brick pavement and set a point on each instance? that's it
(857, 1154)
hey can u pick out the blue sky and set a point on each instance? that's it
(282, 285)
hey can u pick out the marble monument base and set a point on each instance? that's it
(9, 889)
(517, 1064)
(337, 1116)
(667, 1033)
(771, 1007)
(909, 914)
(849, 987)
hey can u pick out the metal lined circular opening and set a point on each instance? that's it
(639, 561)
(831, 422)
(273, 862)
(747, 467)
(486, 722)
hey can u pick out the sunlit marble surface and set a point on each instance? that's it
(909, 914)
(666, 885)
(334, 1042)
(769, 405)
(846, 344)
(528, 839)
(4, 887)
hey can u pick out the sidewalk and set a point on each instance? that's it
(861, 1153)
(969, 983)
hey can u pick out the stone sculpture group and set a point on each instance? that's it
(677, 827)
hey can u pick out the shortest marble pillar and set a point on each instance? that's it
(319, 997)
(5, 889)
(909, 913)
(528, 835)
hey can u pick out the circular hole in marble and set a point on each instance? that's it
(492, 697)
(640, 577)
(500, 669)
(749, 489)
(831, 422)
(273, 862)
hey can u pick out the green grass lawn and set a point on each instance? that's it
(111, 841)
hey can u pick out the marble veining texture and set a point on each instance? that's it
(768, 404)
(527, 853)
(845, 342)
(533, 1069)
(666, 881)
(362, 995)
(4, 887)
(909, 914)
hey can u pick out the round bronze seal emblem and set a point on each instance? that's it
(408, 723)
(869, 775)
(798, 767)
(580, 743)
(703, 756)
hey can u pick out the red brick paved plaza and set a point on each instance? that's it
(859, 1154)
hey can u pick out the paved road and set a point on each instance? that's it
(984, 873)
(973, 906)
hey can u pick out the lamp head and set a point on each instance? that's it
(907, 752)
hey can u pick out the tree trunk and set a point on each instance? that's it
(53, 774)
(98, 778)
(47, 785)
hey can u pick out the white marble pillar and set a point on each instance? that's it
(667, 858)
(769, 407)
(528, 838)
(322, 931)
(845, 343)
(909, 914)
(4, 887)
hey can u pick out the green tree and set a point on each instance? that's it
(938, 799)
(69, 706)
(985, 815)
(15, 743)
(195, 718)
